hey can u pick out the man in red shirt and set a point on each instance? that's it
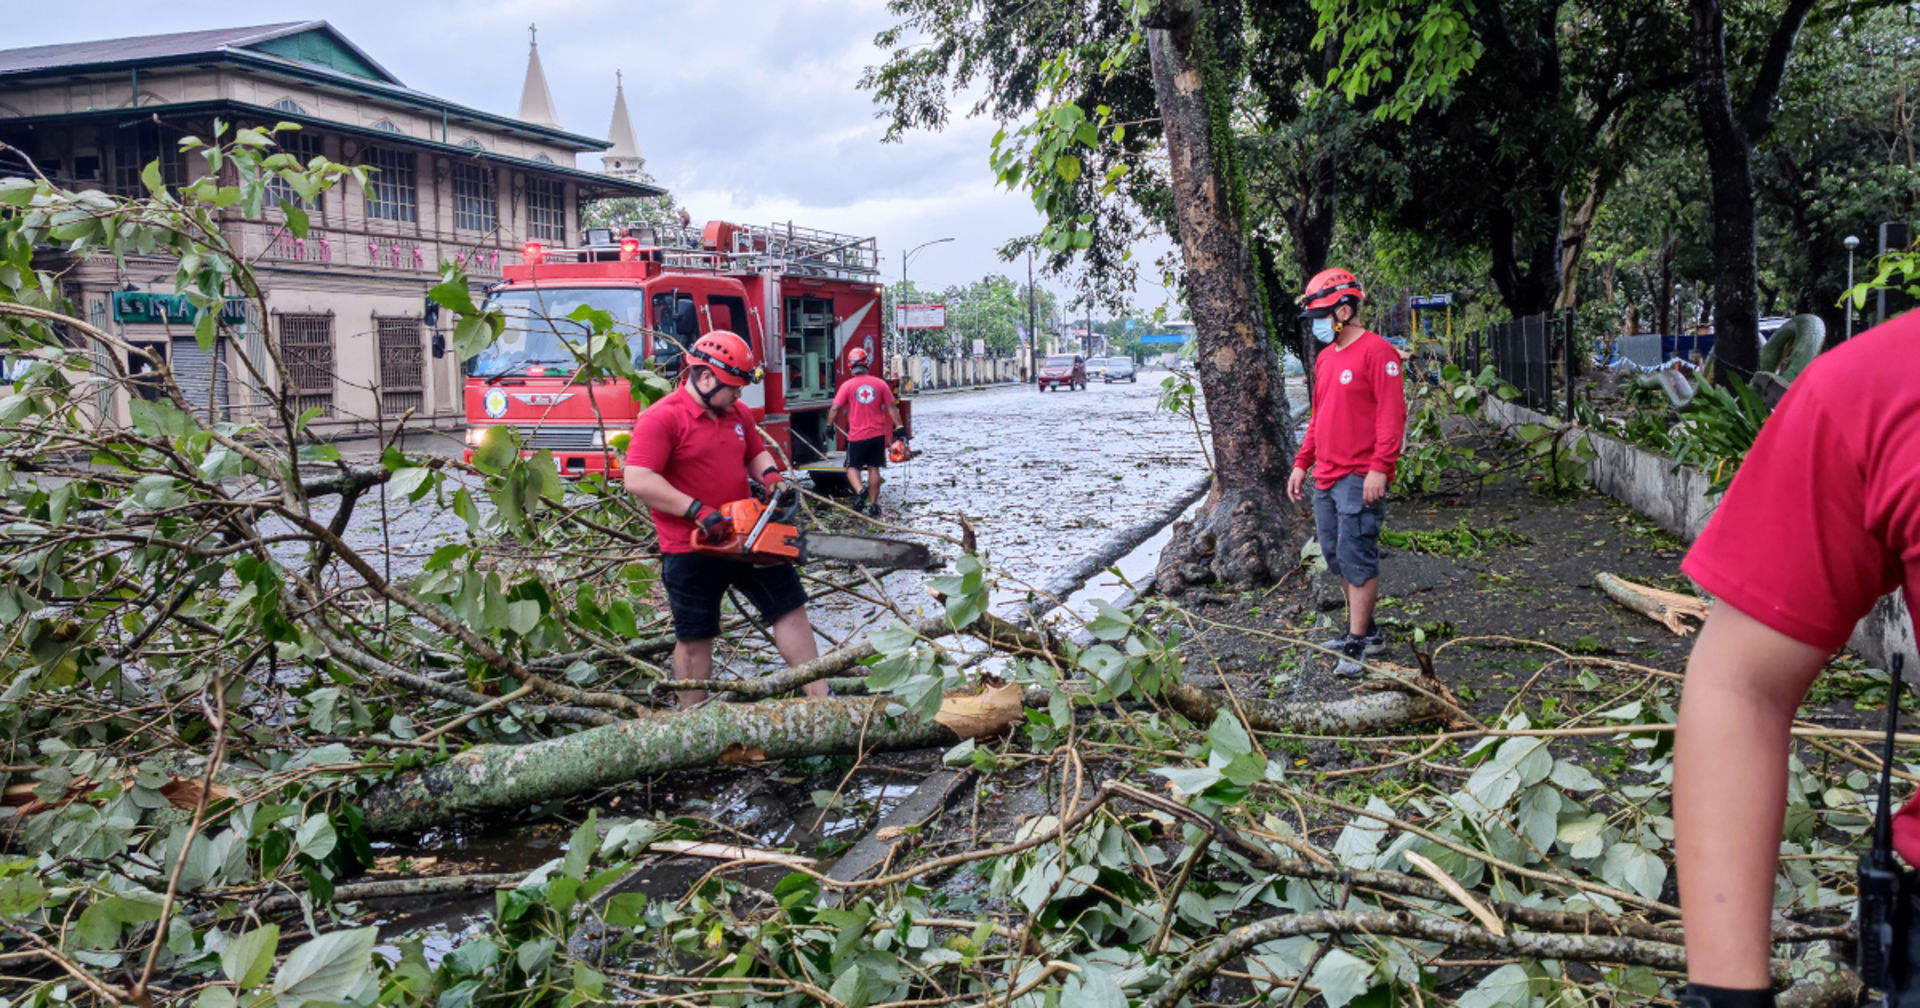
(691, 452)
(1353, 439)
(1822, 519)
(868, 407)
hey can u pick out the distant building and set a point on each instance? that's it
(453, 184)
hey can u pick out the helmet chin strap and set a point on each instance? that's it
(706, 398)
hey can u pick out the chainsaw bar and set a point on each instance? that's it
(868, 551)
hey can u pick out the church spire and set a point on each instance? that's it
(536, 102)
(622, 160)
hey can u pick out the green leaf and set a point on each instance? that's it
(150, 177)
(894, 638)
(523, 616)
(247, 958)
(1067, 167)
(410, 482)
(326, 968)
(297, 220)
(499, 446)
(1341, 977)
(1190, 780)
(1507, 987)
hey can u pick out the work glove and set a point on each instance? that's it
(900, 434)
(1703, 996)
(714, 526)
(778, 491)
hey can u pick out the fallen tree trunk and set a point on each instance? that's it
(1364, 712)
(504, 777)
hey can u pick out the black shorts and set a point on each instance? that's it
(696, 582)
(867, 453)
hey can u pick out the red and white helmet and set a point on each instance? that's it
(729, 357)
(857, 357)
(1329, 289)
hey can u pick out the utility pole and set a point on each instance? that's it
(901, 302)
(1033, 328)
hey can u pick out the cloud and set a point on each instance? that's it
(747, 109)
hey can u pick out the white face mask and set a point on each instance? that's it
(1323, 329)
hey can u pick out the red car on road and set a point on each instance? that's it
(1068, 370)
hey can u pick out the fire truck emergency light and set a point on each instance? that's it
(629, 249)
(532, 253)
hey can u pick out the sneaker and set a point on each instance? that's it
(1351, 653)
(1374, 642)
(873, 509)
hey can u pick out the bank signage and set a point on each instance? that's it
(136, 306)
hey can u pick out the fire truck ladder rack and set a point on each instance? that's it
(777, 248)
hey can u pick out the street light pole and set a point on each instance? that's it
(901, 305)
(1852, 242)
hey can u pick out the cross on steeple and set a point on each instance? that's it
(533, 34)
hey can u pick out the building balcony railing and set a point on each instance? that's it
(273, 245)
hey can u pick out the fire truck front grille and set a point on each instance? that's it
(558, 439)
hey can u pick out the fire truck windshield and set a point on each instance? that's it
(538, 330)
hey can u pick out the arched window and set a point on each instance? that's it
(472, 144)
(387, 126)
(543, 159)
(289, 105)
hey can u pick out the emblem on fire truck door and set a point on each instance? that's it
(495, 403)
(543, 398)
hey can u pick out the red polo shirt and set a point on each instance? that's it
(700, 454)
(1823, 517)
(865, 398)
(1359, 413)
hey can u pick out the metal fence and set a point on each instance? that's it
(1534, 354)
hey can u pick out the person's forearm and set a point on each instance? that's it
(655, 492)
(1729, 794)
(757, 468)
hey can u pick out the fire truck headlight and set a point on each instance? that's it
(474, 434)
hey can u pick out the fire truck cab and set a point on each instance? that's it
(801, 298)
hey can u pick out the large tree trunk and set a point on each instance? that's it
(1730, 138)
(494, 778)
(1247, 534)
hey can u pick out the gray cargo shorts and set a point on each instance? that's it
(1349, 530)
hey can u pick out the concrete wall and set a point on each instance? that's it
(1677, 501)
(918, 374)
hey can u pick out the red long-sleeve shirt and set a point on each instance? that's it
(1359, 414)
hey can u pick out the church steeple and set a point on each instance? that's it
(536, 102)
(622, 160)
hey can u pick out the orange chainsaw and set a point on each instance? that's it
(765, 533)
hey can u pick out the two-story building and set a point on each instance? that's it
(346, 301)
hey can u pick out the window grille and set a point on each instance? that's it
(140, 146)
(306, 346)
(390, 191)
(288, 105)
(387, 126)
(304, 147)
(472, 144)
(546, 210)
(402, 365)
(474, 208)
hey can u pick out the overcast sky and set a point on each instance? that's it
(747, 110)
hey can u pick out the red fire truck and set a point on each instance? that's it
(802, 299)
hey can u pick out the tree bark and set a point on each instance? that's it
(1730, 137)
(1247, 533)
(498, 778)
(1359, 714)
